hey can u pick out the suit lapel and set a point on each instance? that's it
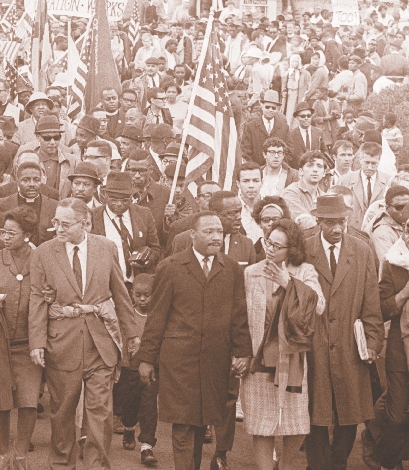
(189, 259)
(62, 258)
(344, 264)
(298, 136)
(260, 124)
(234, 248)
(217, 266)
(358, 189)
(378, 188)
(321, 262)
(92, 256)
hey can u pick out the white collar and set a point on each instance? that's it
(112, 216)
(326, 244)
(201, 257)
(81, 246)
(31, 199)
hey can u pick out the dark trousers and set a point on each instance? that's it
(65, 390)
(321, 455)
(187, 444)
(225, 432)
(390, 428)
(140, 404)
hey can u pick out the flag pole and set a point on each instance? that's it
(68, 60)
(206, 43)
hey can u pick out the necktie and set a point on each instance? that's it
(126, 247)
(369, 190)
(76, 266)
(157, 118)
(269, 126)
(206, 269)
(332, 261)
(307, 140)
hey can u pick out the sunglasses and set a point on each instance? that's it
(270, 106)
(47, 138)
(304, 116)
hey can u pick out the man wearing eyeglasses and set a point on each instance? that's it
(305, 137)
(157, 112)
(271, 124)
(367, 184)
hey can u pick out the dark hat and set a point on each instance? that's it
(373, 136)
(37, 96)
(171, 169)
(161, 131)
(49, 123)
(86, 169)
(172, 150)
(397, 190)
(331, 207)
(270, 96)
(139, 154)
(119, 184)
(90, 124)
(152, 60)
(8, 125)
(365, 123)
(133, 133)
(303, 106)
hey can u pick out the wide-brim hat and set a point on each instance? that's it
(331, 207)
(90, 124)
(134, 133)
(48, 123)
(86, 170)
(8, 125)
(172, 150)
(270, 96)
(254, 52)
(365, 123)
(162, 28)
(303, 106)
(39, 96)
(119, 183)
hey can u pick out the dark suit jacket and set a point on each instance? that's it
(333, 51)
(195, 325)
(12, 188)
(178, 226)
(317, 143)
(167, 118)
(143, 228)
(241, 248)
(62, 338)
(116, 124)
(47, 213)
(254, 135)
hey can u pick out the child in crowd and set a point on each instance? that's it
(139, 400)
(392, 133)
(349, 122)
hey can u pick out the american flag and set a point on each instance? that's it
(24, 26)
(11, 76)
(210, 130)
(9, 20)
(134, 25)
(63, 60)
(80, 81)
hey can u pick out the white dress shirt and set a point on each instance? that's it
(253, 230)
(227, 244)
(112, 234)
(158, 161)
(304, 136)
(327, 251)
(365, 184)
(268, 124)
(82, 255)
(200, 258)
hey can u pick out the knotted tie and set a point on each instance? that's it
(76, 267)
(126, 245)
(369, 190)
(269, 126)
(332, 260)
(307, 140)
(206, 269)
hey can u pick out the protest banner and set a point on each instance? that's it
(83, 8)
(346, 12)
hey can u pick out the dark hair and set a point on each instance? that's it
(393, 191)
(310, 156)
(93, 110)
(391, 118)
(138, 154)
(143, 278)
(341, 144)
(171, 42)
(216, 201)
(295, 240)
(25, 216)
(256, 34)
(278, 200)
(274, 142)
(26, 166)
(343, 62)
(248, 166)
(171, 83)
(203, 183)
(199, 216)
(372, 149)
(349, 111)
(77, 205)
(153, 92)
(315, 54)
(128, 90)
(102, 144)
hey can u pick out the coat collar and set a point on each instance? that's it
(9, 261)
(62, 258)
(188, 258)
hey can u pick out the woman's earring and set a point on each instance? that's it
(26, 239)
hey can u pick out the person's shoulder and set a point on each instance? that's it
(140, 211)
(357, 244)
(292, 188)
(349, 177)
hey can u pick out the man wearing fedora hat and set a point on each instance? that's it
(270, 124)
(130, 227)
(130, 139)
(84, 184)
(305, 137)
(338, 379)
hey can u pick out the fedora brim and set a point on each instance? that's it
(331, 215)
(92, 131)
(119, 192)
(306, 109)
(273, 102)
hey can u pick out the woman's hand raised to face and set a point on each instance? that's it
(278, 275)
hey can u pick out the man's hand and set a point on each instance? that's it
(372, 356)
(37, 356)
(133, 345)
(147, 373)
(241, 366)
(170, 210)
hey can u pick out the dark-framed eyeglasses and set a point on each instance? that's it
(64, 225)
(274, 246)
(267, 220)
(304, 116)
(8, 233)
(47, 138)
